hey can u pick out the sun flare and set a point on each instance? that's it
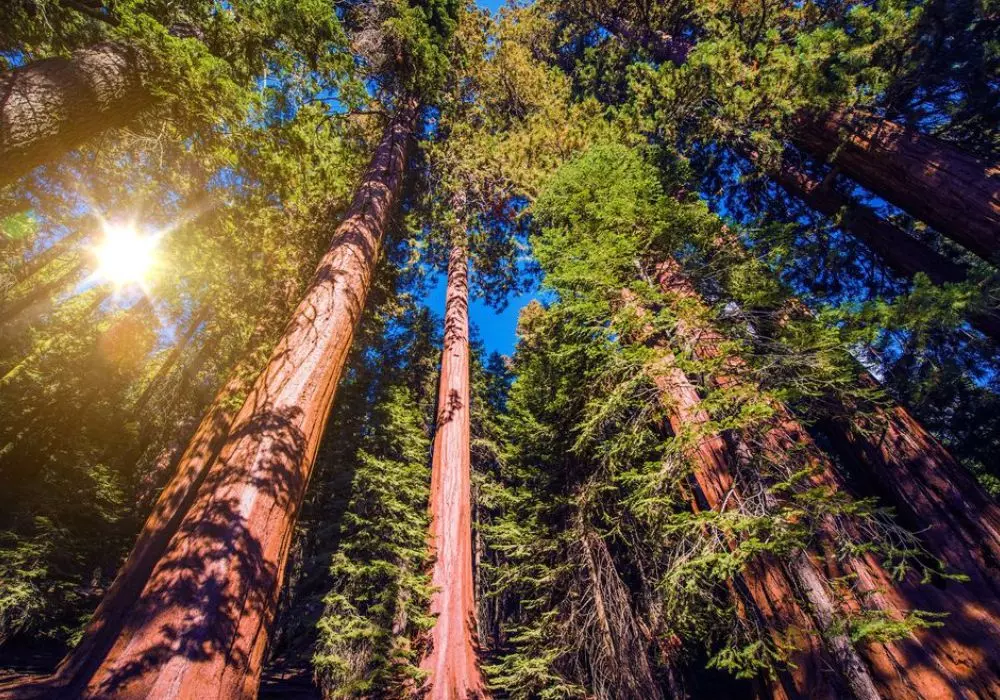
(125, 256)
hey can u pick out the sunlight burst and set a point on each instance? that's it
(124, 255)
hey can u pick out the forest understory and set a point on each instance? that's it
(264, 431)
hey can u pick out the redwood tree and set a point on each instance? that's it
(451, 659)
(202, 618)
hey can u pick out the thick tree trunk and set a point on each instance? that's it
(451, 659)
(930, 663)
(200, 626)
(957, 520)
(901, 252)
(54, 105)
(932, 180)
(813, 671)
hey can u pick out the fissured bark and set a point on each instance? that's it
(934, 181)
(451, 659)
(200, 626)
(51, 106)
(959, 657)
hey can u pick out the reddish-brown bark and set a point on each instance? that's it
(816, 669)
(958, 521)
(451, 658)
(199, 627)
(932, 180)
(51, 106)
(930, 663)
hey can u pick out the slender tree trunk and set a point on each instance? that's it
(39, 261)
(901, 252)
(41, 292)
(51, 106)
(930, 179)
(451, 659)
(930, 663)
(200, 626)
(171, 359)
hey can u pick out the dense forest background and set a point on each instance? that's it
(746, 443)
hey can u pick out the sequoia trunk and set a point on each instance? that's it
(200, 626)
(930, 663)
(930, 179)
(53, 105)
(451, 660)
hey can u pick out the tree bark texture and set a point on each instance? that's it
(933, 181)
(200, 626)
(451, 659)
(957, 520)
(41, 293)
(813, 671)
(957, 660)
(53, 105)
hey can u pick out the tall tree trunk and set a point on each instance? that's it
(930, 663)
(957, 520)
(451, 659)
(37, 262)
(932, 180)
(172, 357)
(53, 105)
(41, 292)
(901, 252)
(200, 626)
(764, 581)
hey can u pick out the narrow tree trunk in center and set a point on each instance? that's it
(200, 627)
(451, 659)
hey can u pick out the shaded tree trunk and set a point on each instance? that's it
(172, 357)
(53, 105)
(813, 671)
(930, 663)
(201, 624)
(932, 180)
(41, 292)
(451, 659)
(957, 520)
(905, 255)
(39, 261)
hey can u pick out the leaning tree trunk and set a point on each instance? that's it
(41, 292)
(818, 647)
(901, 252)
(958, 521)
(171, 359)
(50, 254)
(53, 105)
(929, 663)
(200, 626)
(451, 660)
(930, 179)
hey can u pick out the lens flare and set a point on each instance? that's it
(125, 256)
